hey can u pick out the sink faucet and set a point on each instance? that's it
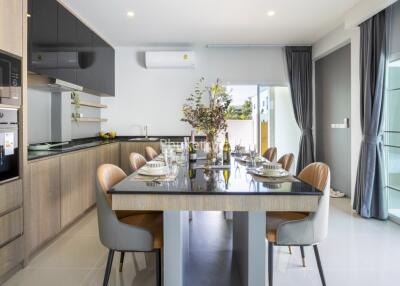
(145, 131)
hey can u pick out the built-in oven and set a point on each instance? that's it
(9, 154)
(10, 80)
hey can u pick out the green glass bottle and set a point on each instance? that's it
(192, 149)
(226, 155)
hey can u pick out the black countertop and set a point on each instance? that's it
(232, 181)
(80, 144)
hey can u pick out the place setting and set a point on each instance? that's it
(271, 172)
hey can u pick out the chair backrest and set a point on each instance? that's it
(113, 233)
(136, 161)
(150, 153)
(318, 175)
(270, 154)
(286, 161)
(314, 228)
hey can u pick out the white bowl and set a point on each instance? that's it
(155, 164)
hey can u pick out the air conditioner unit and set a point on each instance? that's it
(170, 60)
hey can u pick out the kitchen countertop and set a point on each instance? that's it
(80, 144)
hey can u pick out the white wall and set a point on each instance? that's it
(155, 97)
(287, 133)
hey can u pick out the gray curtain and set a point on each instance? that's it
(299, 65)
(370, 195)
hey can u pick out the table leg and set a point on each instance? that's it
(176, 247)
(249, 246)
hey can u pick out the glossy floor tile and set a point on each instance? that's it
(358, 252)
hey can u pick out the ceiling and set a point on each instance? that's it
(191, 22)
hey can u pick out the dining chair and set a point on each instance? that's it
(286, 161)
(139, 232)
(150, 153)
(136, 161)
(270, 154)
(302, 229)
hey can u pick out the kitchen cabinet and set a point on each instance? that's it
(138, 147)
(43, 30)
(53, 33)
(104, 65)
(11, 226)
(66, 42)
(44, 192)
(11, 255)
(10, 196)
(11, 13)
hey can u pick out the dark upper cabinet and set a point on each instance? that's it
(104, 64)
(66, 45)
(44, 33)
(61, 46)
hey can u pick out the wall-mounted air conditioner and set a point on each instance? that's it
(170, 60)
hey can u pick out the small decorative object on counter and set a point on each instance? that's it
(77, 105)
(108, 135)
(207, 115)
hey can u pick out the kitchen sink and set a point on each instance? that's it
(144, 139)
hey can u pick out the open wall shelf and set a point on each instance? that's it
(91, 104)
(89, 119)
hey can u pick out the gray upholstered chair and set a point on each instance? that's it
(136, 161)
(270, 154)
(302, 229)
(150, 153)
(286, 161)
(141, 232)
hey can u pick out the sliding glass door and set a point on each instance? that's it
(392, 139)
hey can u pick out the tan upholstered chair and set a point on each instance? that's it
(270, 154)
(132, 232)
(286, 161)
(136, 161)
(302, 229)
(150, 153)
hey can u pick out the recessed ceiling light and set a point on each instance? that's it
(271, 13)
(130, 14)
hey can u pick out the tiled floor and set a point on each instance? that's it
(358, 252)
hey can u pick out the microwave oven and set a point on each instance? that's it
(10, 80)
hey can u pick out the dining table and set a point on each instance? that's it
(202, 187)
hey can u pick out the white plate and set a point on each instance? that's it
(261, 173)
(146, 171)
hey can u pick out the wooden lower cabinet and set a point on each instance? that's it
(64, 187)
(11, 226)
(138, 147)
(11, 255)
(10, 196)
(44, 206)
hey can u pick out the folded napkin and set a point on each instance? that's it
(212, 167)
(143, 178)
(274, 180)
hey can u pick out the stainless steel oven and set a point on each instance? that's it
(10, 80)
(9, 151)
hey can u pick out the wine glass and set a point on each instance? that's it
(253, 153)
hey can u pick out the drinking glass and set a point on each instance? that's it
(253, 153)
(169, 157)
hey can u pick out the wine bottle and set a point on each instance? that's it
(226, 155)
(192, 149)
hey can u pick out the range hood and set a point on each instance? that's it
(45, 83)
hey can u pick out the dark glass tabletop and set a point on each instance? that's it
(234, 180)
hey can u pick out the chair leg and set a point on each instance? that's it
(158, 266)
(121, 261)
(270, 263)
(108, 267)
(303, 256)
(321, 272)
(290, 249)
